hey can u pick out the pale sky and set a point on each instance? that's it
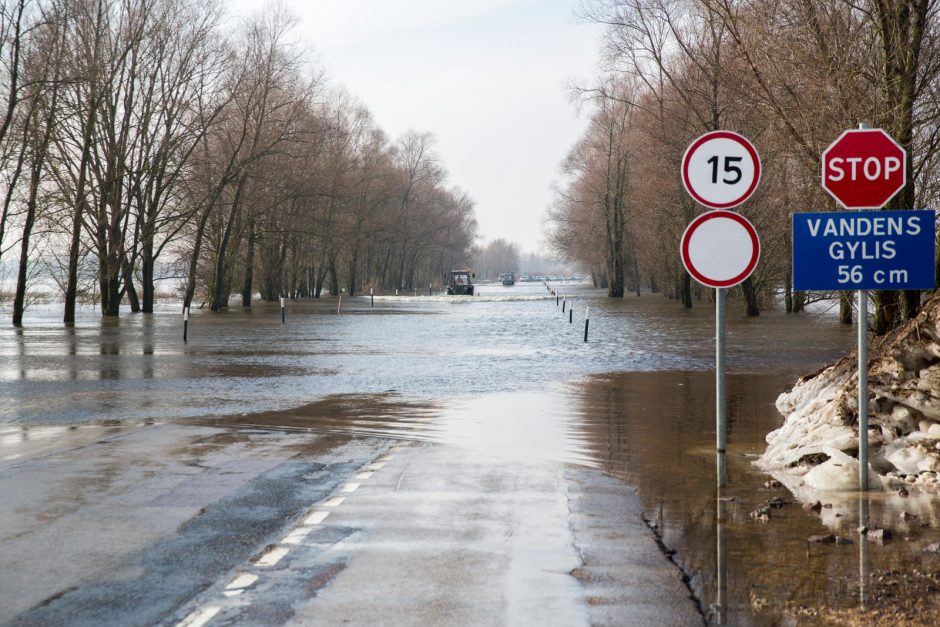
(489, 78)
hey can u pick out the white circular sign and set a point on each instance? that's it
(720, 169)
(720, 248)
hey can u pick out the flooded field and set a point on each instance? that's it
(503, 372)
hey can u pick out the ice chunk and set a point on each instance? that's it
(839, 472)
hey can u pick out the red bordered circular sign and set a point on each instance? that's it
(721, 169)
(720, 248)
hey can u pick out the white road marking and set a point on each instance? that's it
(376, 466)
(242, 581)
(200, 617)
(350, 487)
(272, 557)
(296, 536)
(364, 475)
(335, 501)
(316, 518)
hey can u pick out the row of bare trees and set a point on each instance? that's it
(144, 140)
(790, 75)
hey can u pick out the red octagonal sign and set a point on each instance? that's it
(864, 168)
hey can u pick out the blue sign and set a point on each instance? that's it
(864, 250)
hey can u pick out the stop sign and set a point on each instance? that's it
(864, 168)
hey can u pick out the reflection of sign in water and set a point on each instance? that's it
(882, 250)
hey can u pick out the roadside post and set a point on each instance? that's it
(720, 248)
(339, 304)
(371, 297)
(868, 249)
(564, 303)
(587, 321)
(571, 314)
(283, 305)
(429, 289)
(185, 324)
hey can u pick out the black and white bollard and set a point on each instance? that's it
(396, 291)
(587, 321)
(185, 324)
(571, 315)
(372, 297)
(429, 289)
(339, 304)
(283, 309)
(564, 303)
(556, 299)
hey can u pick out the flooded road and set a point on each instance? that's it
(504, 373)
(420, 348)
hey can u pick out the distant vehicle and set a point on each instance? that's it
(508, 279)
(460, 283)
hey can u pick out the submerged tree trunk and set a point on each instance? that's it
(249, 265)
(147, 275)
(221, 286)
(685, 289)
(19, 301)
(750, 297)
(845, 307)
(128, 272)
(799, 301)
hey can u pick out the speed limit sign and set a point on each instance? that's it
(721, 169)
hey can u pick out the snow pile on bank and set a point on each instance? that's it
(819, 439)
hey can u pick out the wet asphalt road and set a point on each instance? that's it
(171, 524)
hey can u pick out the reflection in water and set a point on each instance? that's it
(721, 561)
(863, 521)
(751, 573)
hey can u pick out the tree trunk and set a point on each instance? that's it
(887, 311)
(128, 272)
(334, 280)
(685, 289)
(799, 301)
(147, 275)
(19, 301)
(249, 265)
(845, 307)
(750, 298)
(351, 273)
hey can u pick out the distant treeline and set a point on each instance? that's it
(790, 75)
(138, 131)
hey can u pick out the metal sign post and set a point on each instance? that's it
(861, 251)
(863, 169)
(863, 390)
(720, 249)
(721, 420)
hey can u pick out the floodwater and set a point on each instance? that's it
(504, 371)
